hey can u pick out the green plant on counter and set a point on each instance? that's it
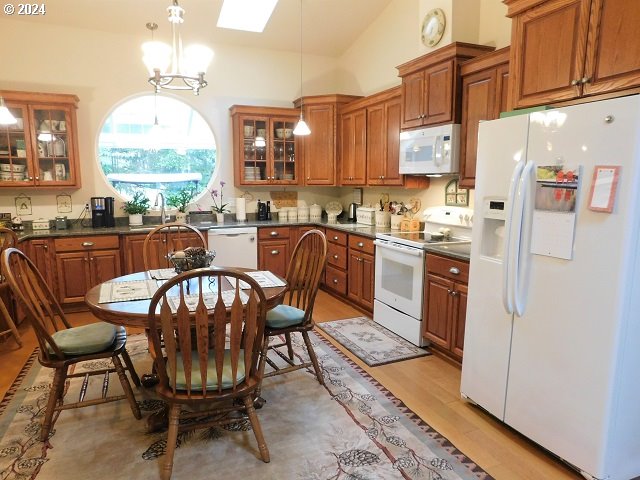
(181, 199)
(139, 204)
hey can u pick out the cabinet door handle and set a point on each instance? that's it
(335, 256)
(274, 234)
(335, 281)
(360, 244)
(335, 239)
(275, 252)
(449, 291)
(454, 270)
(453, 294)
(87, 244)
(45, 246)
(585, 80)
(574, 82)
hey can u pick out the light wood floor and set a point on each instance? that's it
(428, 385)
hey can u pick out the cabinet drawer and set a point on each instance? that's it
(335, 236)
(363, 244)
(336, 280)
(337, 255)
(74, 244)
(448, 268)
(273, 232)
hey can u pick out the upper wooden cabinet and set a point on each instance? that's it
(319, 150)
(565, 49)
(431, 85)
(264, 147)
(484, 96)
(353, 147)
(41, 150)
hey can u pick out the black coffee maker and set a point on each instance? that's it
(97, 212)
(262, 211)
(102, 212)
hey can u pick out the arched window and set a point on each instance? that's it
(175, 152)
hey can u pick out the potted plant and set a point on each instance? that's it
(180, 200)
(219, 208)
(136, 207)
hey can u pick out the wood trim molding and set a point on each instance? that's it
(38, 97)
(336, 98)
(267, 111)
(370, 100)
(482, 62)
(514, 7)
(459, 50)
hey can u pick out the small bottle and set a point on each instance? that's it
(268, 210)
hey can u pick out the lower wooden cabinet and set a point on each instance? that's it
(39, 253)
(361, 271)
(336, 270)
(83, 262)
(445, 305)
(274, 249)
(132, 247)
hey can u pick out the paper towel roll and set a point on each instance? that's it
(241, 209)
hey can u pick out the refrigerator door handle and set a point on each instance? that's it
(526, 189)
(507, 284)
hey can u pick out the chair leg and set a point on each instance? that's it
(313, 357)
(287, 336)
(263, 362)
(132, 371)
(257, 429)
(9, 321)
(126, 386)
(55, 394)
(172, 440)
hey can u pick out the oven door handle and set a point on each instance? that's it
(416, 252)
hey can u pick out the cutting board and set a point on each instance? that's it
(284, 199)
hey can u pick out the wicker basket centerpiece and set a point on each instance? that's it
(190, 258)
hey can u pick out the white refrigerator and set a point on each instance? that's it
(552, 340)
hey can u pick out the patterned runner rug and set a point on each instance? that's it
(370, 342)
(352, 428)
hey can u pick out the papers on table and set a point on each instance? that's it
(163, 273)
(127, 291)
(265, 279)
(210, 300)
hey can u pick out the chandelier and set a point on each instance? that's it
(172, 67)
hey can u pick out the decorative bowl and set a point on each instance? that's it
(190, 258)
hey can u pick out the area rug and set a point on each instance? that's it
(370, 342)
(352, 428)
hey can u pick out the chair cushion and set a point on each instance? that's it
(212, 377)
(284, 316)
(92, 338)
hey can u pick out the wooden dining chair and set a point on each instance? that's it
(8, 239)
(295, 314)
(212, 346)
(62, 345)
(168, 238)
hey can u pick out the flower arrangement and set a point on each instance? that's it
(139, 204)
(181, 199)
(222, 207)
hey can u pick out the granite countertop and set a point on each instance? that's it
(455, 251)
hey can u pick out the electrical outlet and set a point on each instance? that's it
(86, 206)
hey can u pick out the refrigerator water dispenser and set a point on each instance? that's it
(494, 212)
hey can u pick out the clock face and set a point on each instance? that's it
(433, 27)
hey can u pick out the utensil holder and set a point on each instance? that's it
(383, 219)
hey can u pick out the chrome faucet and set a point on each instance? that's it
(163, 213)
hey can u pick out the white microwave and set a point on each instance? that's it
(430, 151)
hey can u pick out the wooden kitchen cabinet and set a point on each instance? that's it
(361, 271)
(353, 147)
(39, 252)
(484, 96)
(431, 85)
(274, 249)
(264, 148)
(41, 150)
(383, 142)
(83, 262)
(133, 249)
(445, 304)
(337, 262)
(564, 50)
(320, 149)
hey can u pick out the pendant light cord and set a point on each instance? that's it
(300, 57)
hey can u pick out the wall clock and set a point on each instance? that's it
(432, 28)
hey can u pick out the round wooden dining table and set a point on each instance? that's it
(134, 313)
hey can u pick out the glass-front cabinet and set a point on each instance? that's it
(40, 149)
(264, 145)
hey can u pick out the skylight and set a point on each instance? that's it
(247, 15)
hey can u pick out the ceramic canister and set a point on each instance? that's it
(315, 213)
(303, 214)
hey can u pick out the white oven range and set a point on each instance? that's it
(399, 270)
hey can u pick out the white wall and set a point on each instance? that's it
(102, 69)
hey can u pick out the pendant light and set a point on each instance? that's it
(6, 117)
(301, 128)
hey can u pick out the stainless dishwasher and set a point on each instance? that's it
(234, 247)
